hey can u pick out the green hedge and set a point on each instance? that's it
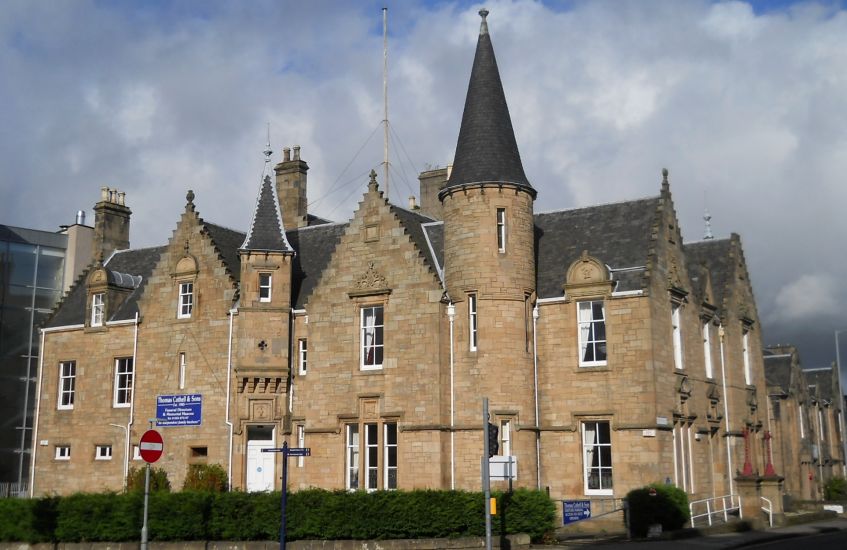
(657, 503)
(835, 489)
(311, 514)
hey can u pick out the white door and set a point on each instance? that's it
(260, 466)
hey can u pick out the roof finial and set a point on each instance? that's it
(372, 183)
(483, 27)
(665, 184)
(268, 151)
(707, 235)
(189, 198)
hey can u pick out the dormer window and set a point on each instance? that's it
(186, 300)
(265, 287)
(98, 306)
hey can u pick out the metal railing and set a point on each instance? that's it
(716, 506)
(768, 510)
(13, 490)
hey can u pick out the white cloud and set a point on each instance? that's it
(807, 298)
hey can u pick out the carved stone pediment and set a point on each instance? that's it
(587, 276)
(371, 279)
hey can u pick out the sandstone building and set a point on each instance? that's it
(613, 354)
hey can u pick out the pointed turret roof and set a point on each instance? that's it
(267, 233)
(487, 151)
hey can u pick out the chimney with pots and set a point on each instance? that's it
(111, 223)
(291, 188)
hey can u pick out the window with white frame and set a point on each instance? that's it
(67, 384)
(302, 351)
(472, 322)
(597, 457)
(186, 300)
(301, 442)
(707, 348)
(506, 437)
(501, 229)
(98, 307)
(63, 452)
(123, 381)
(677, 335)
(745, 350)
(372, 337)
(265, 287)
(592, 333)
(183, 364)
(352, 457)
(103, 452)
(377, 469)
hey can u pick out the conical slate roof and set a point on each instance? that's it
(487, 151)
(267, 233)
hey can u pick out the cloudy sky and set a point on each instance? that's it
(744, 102)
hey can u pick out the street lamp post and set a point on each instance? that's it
(841, 404)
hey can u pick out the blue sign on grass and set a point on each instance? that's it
(575, 510)
(179, 410)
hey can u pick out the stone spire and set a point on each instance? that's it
(487, 151)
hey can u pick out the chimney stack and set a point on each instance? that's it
(111, 223)
(291, 188)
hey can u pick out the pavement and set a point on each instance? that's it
(704, 539)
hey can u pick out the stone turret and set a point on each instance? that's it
(489, 260)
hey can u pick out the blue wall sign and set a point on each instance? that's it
(575, 510)
(179, 410)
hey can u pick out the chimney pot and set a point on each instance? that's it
(104, 193)
(286, 154)
(80, 217)
(411, 202)
(296, 152)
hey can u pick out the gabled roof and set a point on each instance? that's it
(137, 263)
(227, 242)
(266, 233)
(413, 223)
(716, 256)
(821, 379)
(487, 151)
(778, 371)
(314, 246)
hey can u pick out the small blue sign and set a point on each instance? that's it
(179, 410)
(575, 510)
(300, 451)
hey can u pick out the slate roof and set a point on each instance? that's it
(822, 380)
(266, 228)
(227, 241)
(716, 255)
(138, 262)
(778, 371)
(413, 222)
(314, 246)
(486, 150)
(618, 234)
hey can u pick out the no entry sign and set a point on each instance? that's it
(151, 446)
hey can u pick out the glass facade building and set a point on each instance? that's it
(32, 271)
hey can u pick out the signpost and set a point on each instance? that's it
(150, 447)
(286, 452)
(575, 510)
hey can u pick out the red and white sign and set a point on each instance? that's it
(151, 446)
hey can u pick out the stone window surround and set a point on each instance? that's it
(123, 383)
(501, 230)
(98, 308)
(599, 444)
(265, 286)
(185, 302)
(302, 355)
(473, 321)
(360, 448)
(375, 331)
(63, 452)
(590, 338)
(103, 452)
(67, 385)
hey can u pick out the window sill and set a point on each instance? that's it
(65, 408)
(122, 405)
(371, 370)
(593, 368)
(599, 492)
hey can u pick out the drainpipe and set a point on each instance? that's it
(451, 314)
(232, 314)
(726, 411)
(35, 420)
(535, 315)
(131, 401)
